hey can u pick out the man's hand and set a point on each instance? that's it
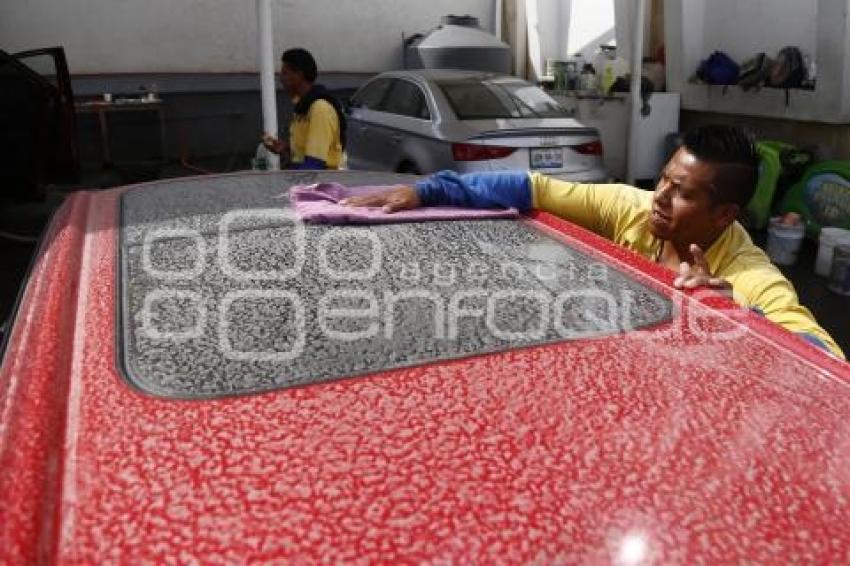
(698, 274)
(274, 145)
(393, 200)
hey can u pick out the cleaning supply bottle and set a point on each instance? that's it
(614, 68)
(588, 81)
(261, 160)
(605, 72)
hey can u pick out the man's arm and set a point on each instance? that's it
(601, 208)
(275, 145)
(597, 207)
(773, 296)
(503, 189)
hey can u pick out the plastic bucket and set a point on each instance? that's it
(783, 241)
(829, 238)
(839, 278)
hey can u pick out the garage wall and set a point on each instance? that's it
(745, 27)
(741, 28)
(830, 141)
(188, 36)
(591, 24)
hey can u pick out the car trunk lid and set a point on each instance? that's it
(548, 145)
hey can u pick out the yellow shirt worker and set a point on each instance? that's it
(317, 129)
(687, 224)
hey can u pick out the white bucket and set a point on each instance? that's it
(783, 241)
(829, 238)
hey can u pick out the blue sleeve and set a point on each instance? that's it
(498, 189)
(310, 163)
(812, 339)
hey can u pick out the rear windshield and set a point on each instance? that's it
(222, 293)
(498, 98)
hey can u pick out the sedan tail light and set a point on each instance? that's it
(589, 148)
(473, 152)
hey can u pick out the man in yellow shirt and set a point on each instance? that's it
(687, 224)
(317, 128)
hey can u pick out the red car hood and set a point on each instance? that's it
(657, 445)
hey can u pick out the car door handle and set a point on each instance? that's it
(396, 138)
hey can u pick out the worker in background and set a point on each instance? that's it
(687, 224)
(317, 128)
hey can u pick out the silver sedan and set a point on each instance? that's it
(420, 121)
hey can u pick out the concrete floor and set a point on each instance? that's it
(831, 310)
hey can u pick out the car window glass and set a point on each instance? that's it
(372, 94)
(222, 293)
(488, 99)
(406, 99)
(43, 64)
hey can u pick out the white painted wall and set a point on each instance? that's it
(566, 27)
(591, 23)
(821, 28)
(535, 51)
(625, 17)
(110, 36)
(743, 28)
(552, 24)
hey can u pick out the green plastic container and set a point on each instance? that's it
(770, 170)
(822, 197)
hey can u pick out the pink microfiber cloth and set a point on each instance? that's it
(318, 204)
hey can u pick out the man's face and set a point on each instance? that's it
(682, 207)
(290, 78)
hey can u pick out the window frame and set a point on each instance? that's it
(423, 97)
(445, 88)
(356, 101)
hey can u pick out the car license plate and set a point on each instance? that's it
(547, 158)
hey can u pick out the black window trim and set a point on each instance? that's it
(382, 107)
(372, 84)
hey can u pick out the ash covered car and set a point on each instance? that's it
(193, 375)
(420, 121)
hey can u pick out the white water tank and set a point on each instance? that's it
(458, 43)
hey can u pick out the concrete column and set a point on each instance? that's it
(521, 37)
(265, 46)
(639, 20)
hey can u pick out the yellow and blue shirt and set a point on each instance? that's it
(316, 135)
(620, 213)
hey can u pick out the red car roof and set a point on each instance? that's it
(670, 444)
